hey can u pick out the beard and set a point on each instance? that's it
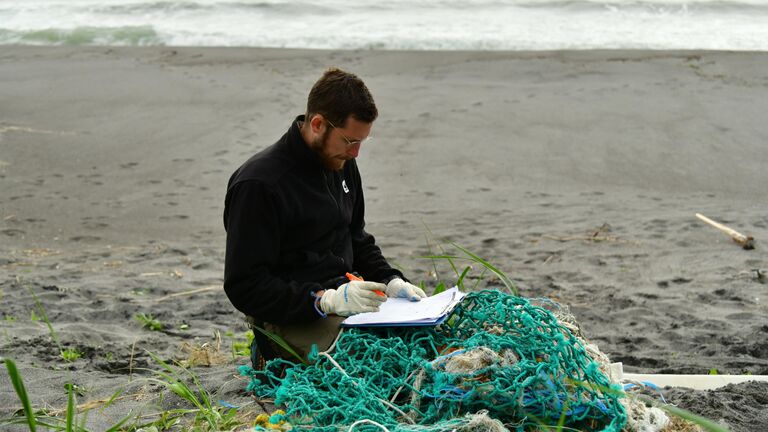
(320, 147)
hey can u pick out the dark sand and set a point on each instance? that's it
(577, 173)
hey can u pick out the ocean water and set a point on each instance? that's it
(392, 24)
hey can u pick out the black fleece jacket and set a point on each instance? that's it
(291, 225)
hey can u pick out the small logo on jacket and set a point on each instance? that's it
(344, 186)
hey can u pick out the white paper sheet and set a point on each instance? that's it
(399, 311)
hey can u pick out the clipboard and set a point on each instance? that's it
(399, 312)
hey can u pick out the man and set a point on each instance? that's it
(294, 216)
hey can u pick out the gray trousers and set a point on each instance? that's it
(300, 337)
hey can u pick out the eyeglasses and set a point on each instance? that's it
(350, 142)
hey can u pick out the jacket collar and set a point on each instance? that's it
(298, 148)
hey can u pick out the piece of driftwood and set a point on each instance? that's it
(194, 291)
(746, 242)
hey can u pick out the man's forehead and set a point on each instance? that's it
(353, 123)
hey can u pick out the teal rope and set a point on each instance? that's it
(552, 377)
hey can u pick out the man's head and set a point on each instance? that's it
(340, 113)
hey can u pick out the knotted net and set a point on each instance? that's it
(499, 362)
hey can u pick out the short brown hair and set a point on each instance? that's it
(339, 94)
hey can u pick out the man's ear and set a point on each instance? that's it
(317, 123)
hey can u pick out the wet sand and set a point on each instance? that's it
(577, 173)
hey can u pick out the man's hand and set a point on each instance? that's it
(400, 288)
(353, 298)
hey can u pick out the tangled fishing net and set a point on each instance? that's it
(498, 363)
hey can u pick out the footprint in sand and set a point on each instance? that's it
(17, 197)
(11, 232)
(677, 280)
(167, 218)
(84, 238)
(94, 225)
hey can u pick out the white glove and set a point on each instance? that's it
(400, 288)
(353, 298)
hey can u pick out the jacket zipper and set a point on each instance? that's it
(328, 188)
(335, 201)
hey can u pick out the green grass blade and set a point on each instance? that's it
(174, 382)
(119, 425)
(460, 282)
(504, 278)
(204, 396)
(18, 385)
(178, 388)
(563, 416)
(480, 279)
(444, 257)
(707, 424)
(44, 316)
(439, 288)
(429, 249)
(111, 399)
(449, 259)
(280, 341)
(165, 365)
(83, 421)
(210, 413)
(39, 422)
(71, 409)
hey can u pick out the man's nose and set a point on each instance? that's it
(354, 150)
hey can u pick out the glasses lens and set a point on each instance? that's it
(349, 142)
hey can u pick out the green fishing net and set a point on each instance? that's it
(498, 359)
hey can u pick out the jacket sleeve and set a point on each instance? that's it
(369, 261)
(253, 223)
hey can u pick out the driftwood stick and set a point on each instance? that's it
(747, 242)
(194, 291)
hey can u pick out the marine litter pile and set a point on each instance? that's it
(500, 362)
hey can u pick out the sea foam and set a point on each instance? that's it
(395, 24)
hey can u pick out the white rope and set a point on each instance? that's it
(336, 365)
(408, 378)
(333, 345)
(352, 426)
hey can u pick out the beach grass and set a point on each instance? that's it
(206, 416)
(21, 392)
(71, 422)
(69, 355)
(473, 258)
(149, 322)
(280, 342)
(241, 347)
(703, 422)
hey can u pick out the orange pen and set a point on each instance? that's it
(352, 277)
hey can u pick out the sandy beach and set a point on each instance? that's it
(577, 173)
